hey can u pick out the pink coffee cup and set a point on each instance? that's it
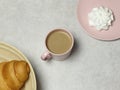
(59, 44)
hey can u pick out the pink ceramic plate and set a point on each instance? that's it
(85, 6)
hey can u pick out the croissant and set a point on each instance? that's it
(13, 74)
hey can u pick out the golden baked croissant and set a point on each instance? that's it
(13, 74)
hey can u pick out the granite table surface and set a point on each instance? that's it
(93, 64)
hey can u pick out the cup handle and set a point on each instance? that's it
(46, 56)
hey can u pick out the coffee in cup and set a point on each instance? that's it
(59, 43)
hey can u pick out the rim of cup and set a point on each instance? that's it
(63, 30)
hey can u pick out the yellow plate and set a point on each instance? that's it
(7, 53)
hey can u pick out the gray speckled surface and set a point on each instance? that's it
(93, 65)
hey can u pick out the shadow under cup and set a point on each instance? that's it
(59, 42)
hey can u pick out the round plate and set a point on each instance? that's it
(85, 7)
(7, 53)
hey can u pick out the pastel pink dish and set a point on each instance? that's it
(85, 7)
(47, 55)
